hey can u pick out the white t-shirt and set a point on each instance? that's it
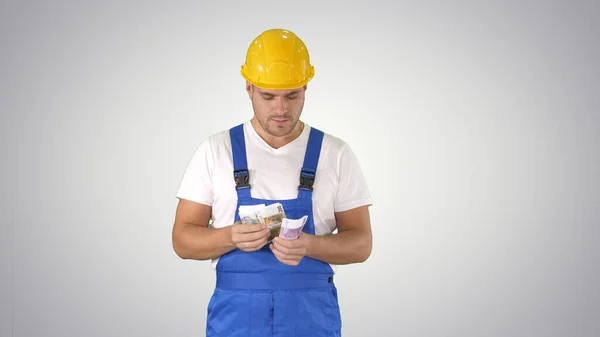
(274, 174)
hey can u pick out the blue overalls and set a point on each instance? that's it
(258, 296)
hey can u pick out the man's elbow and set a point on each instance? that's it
(179, 251)
(366, 248)
(179, 247)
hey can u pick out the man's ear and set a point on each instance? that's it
(249, 88)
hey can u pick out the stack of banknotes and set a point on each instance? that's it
(274, 217)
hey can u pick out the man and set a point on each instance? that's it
(278, 287)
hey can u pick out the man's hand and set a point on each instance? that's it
(290, 252)
(249, 237)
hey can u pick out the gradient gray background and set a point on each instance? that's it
(486, 196)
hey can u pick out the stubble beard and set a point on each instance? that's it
(271, 128)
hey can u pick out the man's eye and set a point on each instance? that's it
(268, 98)
(292, 97)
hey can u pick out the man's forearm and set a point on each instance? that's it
(350, 246)
(202, 243)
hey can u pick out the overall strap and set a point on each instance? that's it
(311, 161)
(241, 174)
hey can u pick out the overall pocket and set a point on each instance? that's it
(316, 313)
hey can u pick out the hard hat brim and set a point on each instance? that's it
(278, 86)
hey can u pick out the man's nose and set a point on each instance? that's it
(280, 105)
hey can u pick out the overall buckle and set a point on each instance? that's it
(242, 178)
(307, 180)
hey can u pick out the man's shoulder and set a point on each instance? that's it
(220, 136)
(218, 139)
(338, 153)
(332, 142)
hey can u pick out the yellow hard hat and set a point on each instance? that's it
(278, 59)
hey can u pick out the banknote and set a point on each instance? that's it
(291, 228)
(248, 214)
(272, 215)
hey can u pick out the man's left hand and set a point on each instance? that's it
(290, 252)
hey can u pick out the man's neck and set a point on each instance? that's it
(277, 142)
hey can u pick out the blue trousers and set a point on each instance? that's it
(295, 305)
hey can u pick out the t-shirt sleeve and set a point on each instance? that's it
(352, 190)
(196, 183)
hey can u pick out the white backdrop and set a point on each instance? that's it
(477, 125)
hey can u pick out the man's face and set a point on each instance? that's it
(277, 111)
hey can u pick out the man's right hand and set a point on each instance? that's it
(249, 237)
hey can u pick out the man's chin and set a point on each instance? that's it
(279, 132)
(281, 129)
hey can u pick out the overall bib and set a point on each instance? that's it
(258, 296)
